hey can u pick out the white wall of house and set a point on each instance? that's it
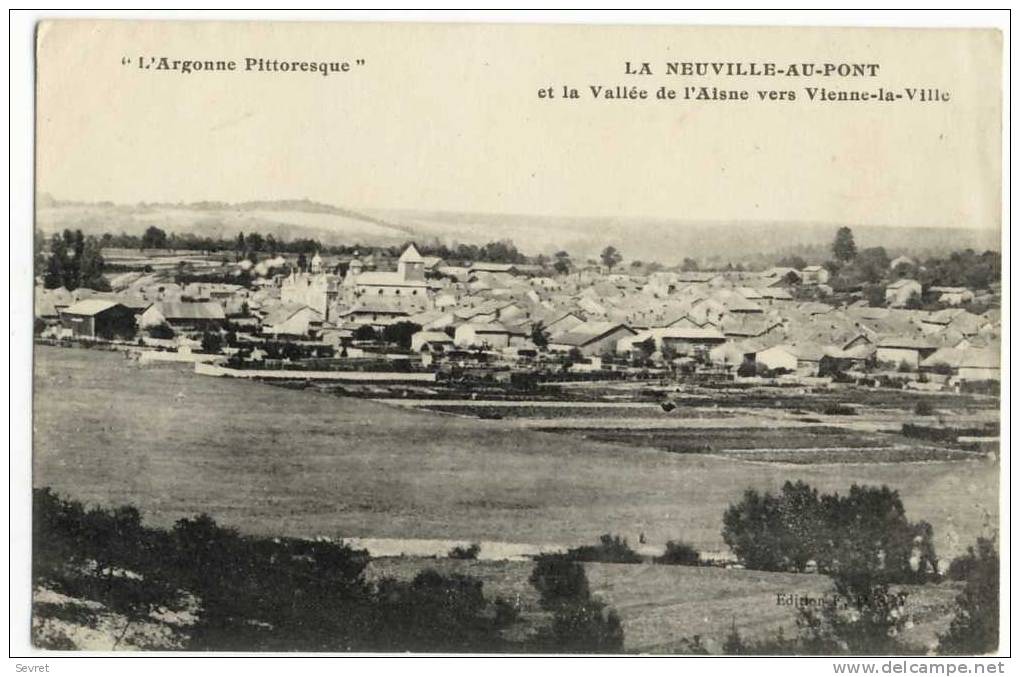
(151, 317)
(468, 335)
(564, 324)
(899, 295)
(605, 344)
(421, 338)
(898, 355)
(493, 339)
(298, 324)
(956, 298)
(726, 354)
(777, 358)
(978, 374)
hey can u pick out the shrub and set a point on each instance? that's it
(160, 331)
(435, 612)
(692, 646)
(980, 387)
(465, 552)
(211, 342)
(831, 366)
(559, 581)
(678, 552)
(587, 627)
(836, 409)
(924, 408)
(365, 333)
(944, 434)
(747, 369)
(580, 623)
(886, 381)
(400, 333)
(609, 549)
(524, 380)
(506, 611)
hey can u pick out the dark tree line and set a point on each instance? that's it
(242, 244)
(963, 269)
(502, 251)
(280, 594)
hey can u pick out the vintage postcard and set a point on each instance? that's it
(517, 339)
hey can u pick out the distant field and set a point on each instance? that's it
(795, 398)
(651, 411)
(276, 461)
(660, 605)
(805, 444)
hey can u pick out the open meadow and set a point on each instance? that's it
(275, 461)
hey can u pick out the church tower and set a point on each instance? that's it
(410, 265)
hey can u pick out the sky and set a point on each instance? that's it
(448, 117)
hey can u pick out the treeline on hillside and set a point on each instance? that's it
(248, 593)
(244, 244)
(70, 259)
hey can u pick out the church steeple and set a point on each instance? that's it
(411, 265)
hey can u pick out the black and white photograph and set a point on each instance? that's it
(515, 338)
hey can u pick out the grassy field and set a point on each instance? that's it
(660, 605)
(276, 461)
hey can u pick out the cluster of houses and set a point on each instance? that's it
(718, 319)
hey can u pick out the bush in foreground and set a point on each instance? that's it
(465, 551)
(559, 581)
(609, 549)
(680, 553)
(975, 627)
(581, 623)
(586, 627)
